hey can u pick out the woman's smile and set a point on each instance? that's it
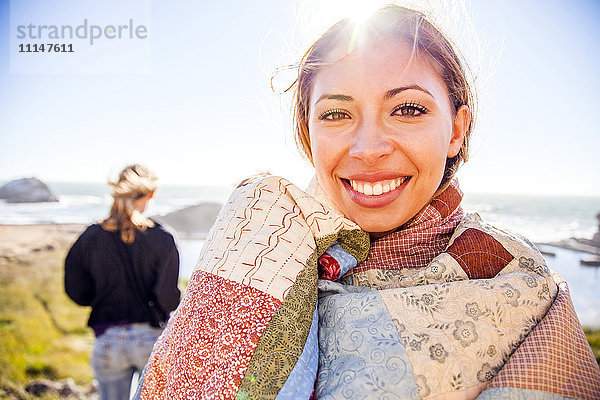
(377, 188)
(374, 194)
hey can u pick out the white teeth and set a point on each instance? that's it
(377, 188)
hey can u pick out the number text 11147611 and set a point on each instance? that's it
(46, 48)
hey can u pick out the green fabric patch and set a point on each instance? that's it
(355, 242)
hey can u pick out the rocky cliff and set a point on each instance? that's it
(26, 190)
(192, 222)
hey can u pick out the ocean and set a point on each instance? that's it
(85, 203)
(542, 219)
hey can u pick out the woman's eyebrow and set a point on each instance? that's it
(341, 97)
(392, 92)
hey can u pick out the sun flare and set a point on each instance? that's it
(357, 10)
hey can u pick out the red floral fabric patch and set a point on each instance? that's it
(328, 268)
(206, 348)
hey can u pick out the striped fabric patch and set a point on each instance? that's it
(479, 254)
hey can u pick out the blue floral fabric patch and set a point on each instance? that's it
(361, 354)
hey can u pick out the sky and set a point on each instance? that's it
(193, 99)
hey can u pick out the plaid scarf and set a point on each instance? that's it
(426, 236)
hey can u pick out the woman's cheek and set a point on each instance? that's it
(319, 150)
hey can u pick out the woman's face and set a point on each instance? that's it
(381, 128)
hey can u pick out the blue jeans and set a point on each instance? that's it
(117, 354)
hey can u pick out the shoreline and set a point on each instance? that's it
(577, 244)
(21, 241)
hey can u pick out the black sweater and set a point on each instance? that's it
(95, 275)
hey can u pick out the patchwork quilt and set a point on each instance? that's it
(278, 309)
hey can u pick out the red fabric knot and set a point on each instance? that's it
(328, 268)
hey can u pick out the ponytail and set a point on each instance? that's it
(135, 181)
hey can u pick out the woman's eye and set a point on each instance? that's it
(334, 115)
(410, 110)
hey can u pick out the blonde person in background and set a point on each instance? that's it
(373, 283)
(126, 268)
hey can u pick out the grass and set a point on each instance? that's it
(593, 337)
(42, 332)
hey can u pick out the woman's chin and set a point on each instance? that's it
(376, 228)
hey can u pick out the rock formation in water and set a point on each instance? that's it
(26, 190)
(596, 237)
(191, 222)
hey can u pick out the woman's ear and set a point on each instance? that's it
(462, 120)
(151, 194)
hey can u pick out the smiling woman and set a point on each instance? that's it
(380, 145)
(373, 283)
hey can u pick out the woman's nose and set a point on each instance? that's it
(370, 143)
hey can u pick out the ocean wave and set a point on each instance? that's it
(83, 200)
